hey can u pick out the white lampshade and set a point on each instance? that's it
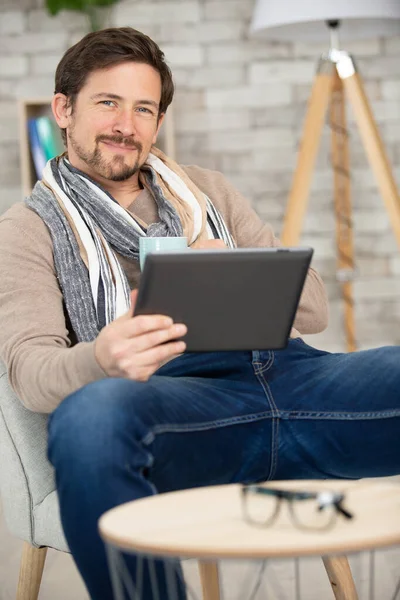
(306, 19)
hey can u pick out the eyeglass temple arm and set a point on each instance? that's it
(287, 494)
(342, 510)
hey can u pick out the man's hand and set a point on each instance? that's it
(135, 347)
(209, 245)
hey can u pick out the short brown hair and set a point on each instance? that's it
(107, 47)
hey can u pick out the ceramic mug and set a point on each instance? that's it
(159, 244)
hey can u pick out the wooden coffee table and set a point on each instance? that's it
(208, 524)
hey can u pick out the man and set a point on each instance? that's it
(132, 414)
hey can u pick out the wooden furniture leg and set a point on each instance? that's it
(30, 573)
(374, 148)
(343, 208)
(314, 122)
(209, 577)
(339, 573)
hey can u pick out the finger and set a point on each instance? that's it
(209, 245)
(146, 323)
(148, 340)
(135, 326)
(219, 244)
(155, 356)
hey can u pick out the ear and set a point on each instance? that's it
(61, 110)
(160, 122)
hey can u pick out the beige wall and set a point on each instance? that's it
(239, 108)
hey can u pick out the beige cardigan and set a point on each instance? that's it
(44, 362)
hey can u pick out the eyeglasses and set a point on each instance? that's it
(308, 510)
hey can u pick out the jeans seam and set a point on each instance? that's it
(339, 416)
(177, 428)
(260, 372)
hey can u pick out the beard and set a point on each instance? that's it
(113, 169)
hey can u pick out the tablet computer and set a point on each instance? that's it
(239, 299)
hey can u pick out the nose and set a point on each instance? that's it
(125, 123)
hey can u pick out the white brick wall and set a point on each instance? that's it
(13, 67)
(391, 88)
(145, 12)
(220, 120)
(239, 108)
(249, 96)
(32, 42)
(180, 55)
(12, 22)
(224, 10)
(392, 46)
(299, 71)
(245, 51)
(41, 20)
(204, 32)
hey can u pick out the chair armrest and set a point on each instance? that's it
(26, 476)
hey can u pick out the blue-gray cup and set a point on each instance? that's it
(159, 244)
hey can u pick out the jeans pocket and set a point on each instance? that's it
(262, 360)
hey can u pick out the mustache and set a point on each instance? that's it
(119, 139)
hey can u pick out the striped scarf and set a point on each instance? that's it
(86, 225)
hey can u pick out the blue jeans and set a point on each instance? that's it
(217, 418)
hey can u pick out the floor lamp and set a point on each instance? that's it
(336, 80)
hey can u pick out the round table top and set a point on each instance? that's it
(208, 523)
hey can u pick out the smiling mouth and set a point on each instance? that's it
(121, 147)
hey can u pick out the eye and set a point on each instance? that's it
(145, 110)
(107, 102)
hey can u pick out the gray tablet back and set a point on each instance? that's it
(241, 299)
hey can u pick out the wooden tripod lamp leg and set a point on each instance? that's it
(374, 147)
(343, 208)
(314, 123)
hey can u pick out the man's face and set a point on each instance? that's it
(114, 121)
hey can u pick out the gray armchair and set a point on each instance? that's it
(28, 493)
(27, 488)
